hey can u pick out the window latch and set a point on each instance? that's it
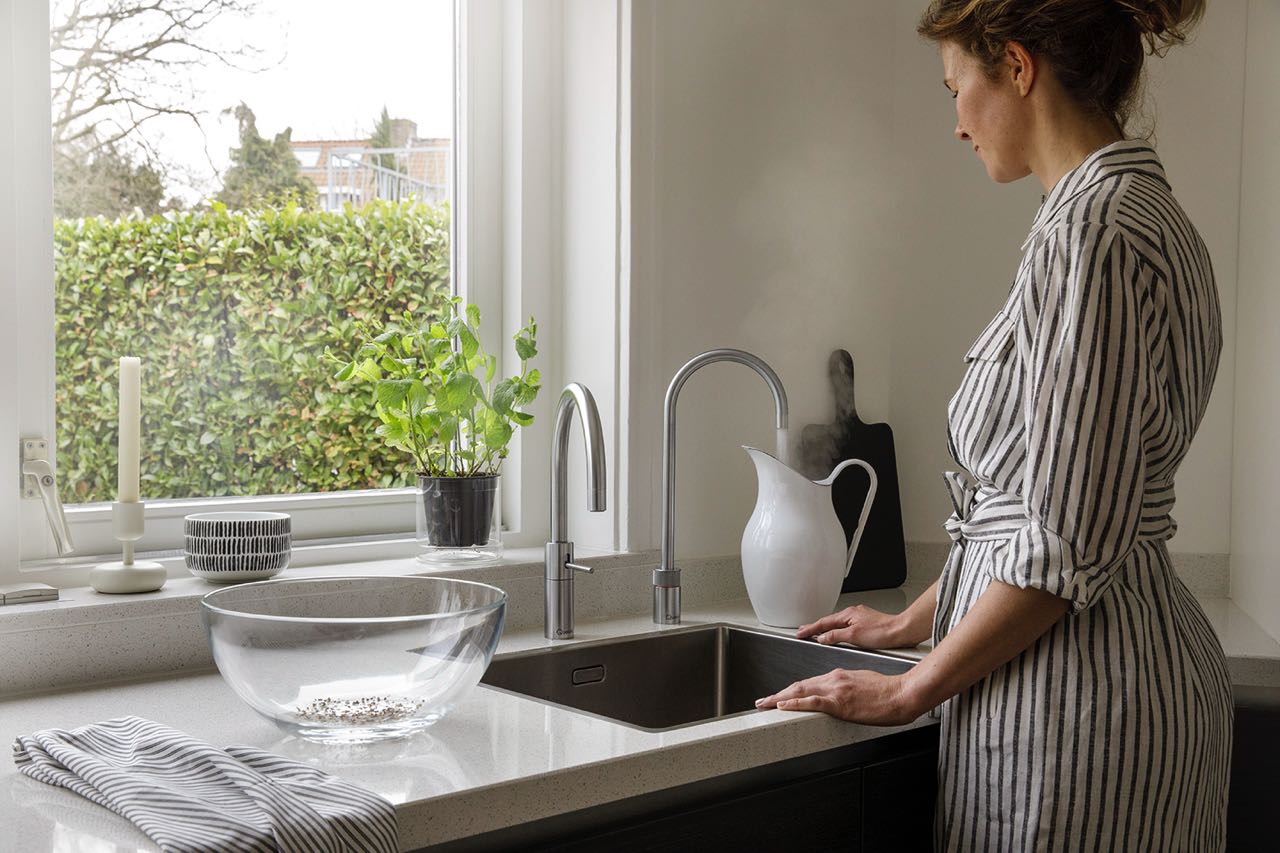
(39, 481)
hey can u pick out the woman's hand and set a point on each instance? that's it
(859, 625)
(856, 695)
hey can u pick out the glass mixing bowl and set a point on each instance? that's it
(354, 659)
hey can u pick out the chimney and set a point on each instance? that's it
(402, 132)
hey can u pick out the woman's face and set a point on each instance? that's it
(991, 115)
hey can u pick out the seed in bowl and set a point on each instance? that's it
(361, 711)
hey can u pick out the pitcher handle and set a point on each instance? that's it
(866, 505)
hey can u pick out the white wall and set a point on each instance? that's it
(760, 147)
(797, 189)
(1255, 583)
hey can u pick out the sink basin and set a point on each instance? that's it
(677, 677)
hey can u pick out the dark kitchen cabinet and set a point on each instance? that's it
(867, 797)
(820, 813)
(1255, 771)
(897, 802)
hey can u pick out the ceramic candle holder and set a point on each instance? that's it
(128, 519)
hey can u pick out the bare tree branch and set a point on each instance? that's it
(116, 66)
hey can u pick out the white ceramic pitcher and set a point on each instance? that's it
(794, 558)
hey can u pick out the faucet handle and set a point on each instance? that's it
(560, 565)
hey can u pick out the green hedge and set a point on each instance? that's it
(231, 312)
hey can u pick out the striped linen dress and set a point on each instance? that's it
(1079, 401)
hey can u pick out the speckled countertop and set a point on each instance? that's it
(498, 760)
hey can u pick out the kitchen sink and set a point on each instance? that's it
(677, 677)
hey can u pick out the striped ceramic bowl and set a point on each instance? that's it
(229, 547)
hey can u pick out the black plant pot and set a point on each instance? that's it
(456, 512)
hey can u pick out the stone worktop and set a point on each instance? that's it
(498, 760)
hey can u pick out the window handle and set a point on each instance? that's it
(40, 471)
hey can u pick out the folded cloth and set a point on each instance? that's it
(187, 795)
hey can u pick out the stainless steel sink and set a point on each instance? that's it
(677, 677)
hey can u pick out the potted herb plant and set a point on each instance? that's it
(435, 393)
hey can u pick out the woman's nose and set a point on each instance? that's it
(961, 133)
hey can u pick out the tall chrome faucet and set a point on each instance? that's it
(666, 578)
(560, 567)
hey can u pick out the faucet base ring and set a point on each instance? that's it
(666, 604)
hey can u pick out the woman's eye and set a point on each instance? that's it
(954, 93)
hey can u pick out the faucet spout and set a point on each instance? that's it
(576, 397)
(560, 567)
(666, 578)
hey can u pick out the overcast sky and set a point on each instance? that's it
(326, 69)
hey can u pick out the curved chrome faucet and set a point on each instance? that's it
(666, 578)
(558, 609)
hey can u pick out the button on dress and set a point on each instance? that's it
(1078, 404)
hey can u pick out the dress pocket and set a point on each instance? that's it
(995, 341)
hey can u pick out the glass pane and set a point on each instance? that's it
(237, 185)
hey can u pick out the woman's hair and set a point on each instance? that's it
(1095, 47)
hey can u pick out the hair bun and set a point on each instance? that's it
(1163, 21)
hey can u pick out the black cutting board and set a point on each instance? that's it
(881, 561)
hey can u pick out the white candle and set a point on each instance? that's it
(130, 427)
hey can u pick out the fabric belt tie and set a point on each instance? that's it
(981, 513)
(963, 491)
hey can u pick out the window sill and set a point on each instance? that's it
(80, 604)
(317, 518)
(69, 573)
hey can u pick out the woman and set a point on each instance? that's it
(1084, 699)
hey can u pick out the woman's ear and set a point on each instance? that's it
(1020, 66)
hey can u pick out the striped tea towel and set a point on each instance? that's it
(189, 796)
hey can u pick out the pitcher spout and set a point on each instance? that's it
(770, 468)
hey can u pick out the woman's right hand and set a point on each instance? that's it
(859, 625)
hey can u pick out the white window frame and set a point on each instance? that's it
(506, 111)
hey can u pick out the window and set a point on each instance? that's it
(308, 158)
(187, 233)
(503, 182)
(197, 224)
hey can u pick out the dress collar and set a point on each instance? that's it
(1126, 156)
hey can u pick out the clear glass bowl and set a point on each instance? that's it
(354, 659)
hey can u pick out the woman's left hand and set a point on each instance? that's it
(856, 695)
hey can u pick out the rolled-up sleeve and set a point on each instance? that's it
(1080, 340)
